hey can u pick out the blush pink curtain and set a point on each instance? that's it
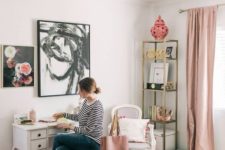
(200, 60)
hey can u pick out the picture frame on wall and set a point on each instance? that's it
(63, 57)
(17, 66)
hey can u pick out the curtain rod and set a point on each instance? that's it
(184, 10)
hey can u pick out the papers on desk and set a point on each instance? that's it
(47, 120)
(54, 122)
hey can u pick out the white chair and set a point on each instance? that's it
(133, 111)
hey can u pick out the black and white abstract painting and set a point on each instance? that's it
(63, 57)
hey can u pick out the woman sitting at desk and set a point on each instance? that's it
(90, 118)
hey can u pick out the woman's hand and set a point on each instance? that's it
(58, 115)
(65, 126)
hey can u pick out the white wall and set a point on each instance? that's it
(178, 30)
(115, 28)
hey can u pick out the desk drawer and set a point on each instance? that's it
(53, 131)
(38, 144)
(38, 134)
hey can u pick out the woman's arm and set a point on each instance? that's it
(73, 117)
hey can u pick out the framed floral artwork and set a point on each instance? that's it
(63, 57)
(17, 65)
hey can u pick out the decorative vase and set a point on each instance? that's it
(32, 115)
(159, 30)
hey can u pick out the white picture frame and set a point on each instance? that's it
(157, 73)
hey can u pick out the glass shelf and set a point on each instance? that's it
(155, 90)
(163, 122)
(160, 41)
(161, 59)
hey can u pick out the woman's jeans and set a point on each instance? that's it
(73, 141)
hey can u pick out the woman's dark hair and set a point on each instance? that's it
(89, 85)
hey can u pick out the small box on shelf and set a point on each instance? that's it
(170, 86)
(154, 86)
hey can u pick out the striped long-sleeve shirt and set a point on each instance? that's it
(90, 120)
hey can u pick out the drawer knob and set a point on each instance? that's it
(39, 145)
(39, 134)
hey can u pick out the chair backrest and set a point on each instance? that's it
(127, 111)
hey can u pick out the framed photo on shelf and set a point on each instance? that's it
(63, 57)
(170, 49)
(17, 65)
(158, 73)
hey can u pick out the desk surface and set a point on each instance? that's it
(37, 125)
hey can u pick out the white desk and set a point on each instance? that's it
(34, 137)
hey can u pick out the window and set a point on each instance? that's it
(219, 70)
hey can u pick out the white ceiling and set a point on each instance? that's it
(155, 1)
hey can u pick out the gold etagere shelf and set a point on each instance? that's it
(163, 56)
